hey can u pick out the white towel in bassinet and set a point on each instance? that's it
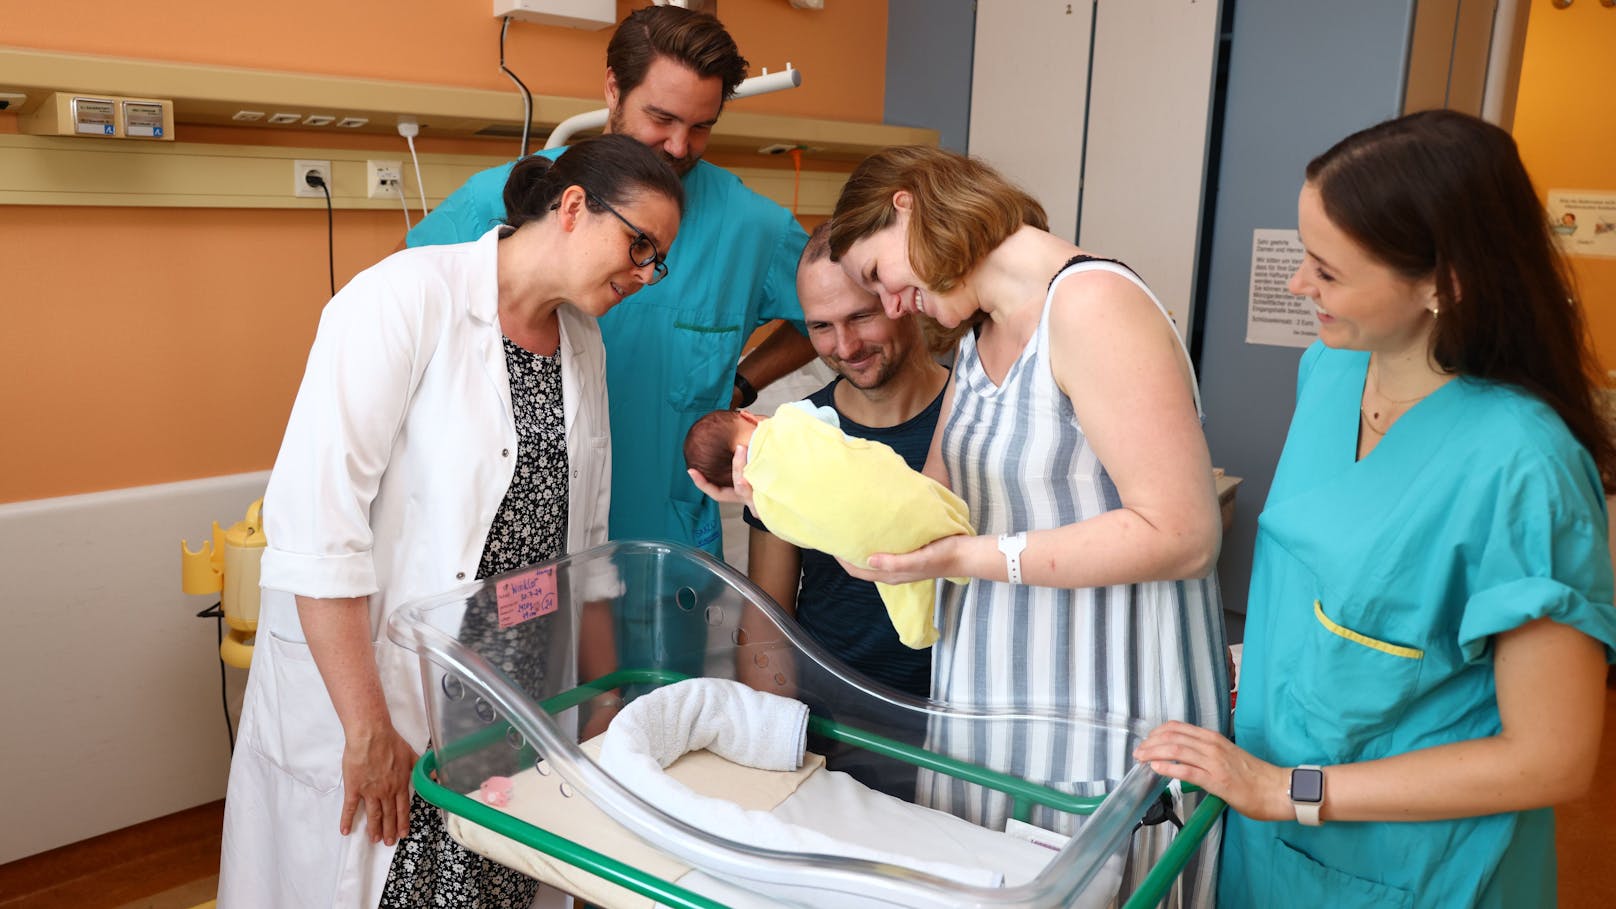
(747, 727)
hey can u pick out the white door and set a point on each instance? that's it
(1141, 74)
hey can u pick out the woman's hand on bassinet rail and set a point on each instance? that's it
(1253, 787)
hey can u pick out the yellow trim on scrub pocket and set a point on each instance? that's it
(1407, 653)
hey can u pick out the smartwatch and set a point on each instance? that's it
(748, 393)
(1307, 794)
(1011, 544)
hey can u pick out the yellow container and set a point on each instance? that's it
(243, 546)
(237, 649)
(198, 572)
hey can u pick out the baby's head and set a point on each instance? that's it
(710, 444)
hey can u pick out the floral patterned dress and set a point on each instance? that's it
(429, 867)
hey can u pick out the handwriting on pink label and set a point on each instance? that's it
(526, 596)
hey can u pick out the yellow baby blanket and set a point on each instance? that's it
(819, 489)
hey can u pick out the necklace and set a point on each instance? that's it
(1391, 400)
(1369, 418)
(1371, 423)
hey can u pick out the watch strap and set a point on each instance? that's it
(749, 394)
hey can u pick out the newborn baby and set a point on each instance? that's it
(817, 488)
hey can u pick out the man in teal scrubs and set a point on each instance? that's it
(671, 356)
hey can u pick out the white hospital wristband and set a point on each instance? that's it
(1011, 544)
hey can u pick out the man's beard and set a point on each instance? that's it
(681, 166)
(883, 373)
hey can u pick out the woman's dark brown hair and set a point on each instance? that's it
(611, 168)
(1444, 195)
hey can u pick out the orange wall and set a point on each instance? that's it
(188, 367)
(133, 361)
(840, 49)
(1565, 125)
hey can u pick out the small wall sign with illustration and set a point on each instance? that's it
(1584, 221)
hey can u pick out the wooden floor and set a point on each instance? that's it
(173, 862)
(168, 863)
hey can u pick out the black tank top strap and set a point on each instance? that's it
(1080, 258)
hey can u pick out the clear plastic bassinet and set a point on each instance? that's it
(520, 668)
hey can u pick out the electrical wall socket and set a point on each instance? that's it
(384, 179)
(300, 185)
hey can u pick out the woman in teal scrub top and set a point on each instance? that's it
(1430, 609)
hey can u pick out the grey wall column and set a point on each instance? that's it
(1301, 76)
(929, 66)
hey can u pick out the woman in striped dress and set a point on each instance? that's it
(1071, 428)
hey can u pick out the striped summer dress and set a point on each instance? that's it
(1151, 651)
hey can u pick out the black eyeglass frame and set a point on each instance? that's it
(656, 259)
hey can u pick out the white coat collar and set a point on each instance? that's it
(577, 358)
(484, 305)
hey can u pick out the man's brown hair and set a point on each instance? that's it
(694, 39)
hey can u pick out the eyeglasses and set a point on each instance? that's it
(643, 250)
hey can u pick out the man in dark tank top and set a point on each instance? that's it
(889, 389)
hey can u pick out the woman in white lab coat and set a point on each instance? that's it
(451, 424)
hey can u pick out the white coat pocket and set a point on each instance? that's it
(300, 732)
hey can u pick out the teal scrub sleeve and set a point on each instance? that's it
(468, 213)
(780, 283)
(1546, 555)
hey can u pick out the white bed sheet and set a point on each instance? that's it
(830, 802)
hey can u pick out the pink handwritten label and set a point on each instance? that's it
(526, 596)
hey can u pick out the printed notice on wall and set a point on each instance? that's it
(1276, 316)
(1584, 221)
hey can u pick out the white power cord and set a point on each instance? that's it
(409, 129)
(402, 203)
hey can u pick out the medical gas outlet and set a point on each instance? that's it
(100, 116)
